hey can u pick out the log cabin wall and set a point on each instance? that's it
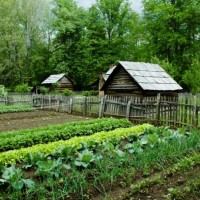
(122, 84)
(65, 83)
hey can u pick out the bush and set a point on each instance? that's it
(55, 86)
(55, 92)
(3, 91)
(191, 77)
(67, 92)
(23, 88)
(44, 90)
(90, 93)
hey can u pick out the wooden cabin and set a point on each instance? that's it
(61, 81)
(138, 79)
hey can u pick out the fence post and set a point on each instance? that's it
(85, 106)
(128, 109)
(158, 109)
(32, 99)
(9, 101)
(186, 110)
(58, 103)
(102, 107)
(70, 105)
(6, 101)
(49, 101)
(42, 101)
(195, 114)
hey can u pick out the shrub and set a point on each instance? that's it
(67, 92)
(23, 88)
(55, 86)
(90, 93)
(3, 91)
(44, 90)
(55, 92)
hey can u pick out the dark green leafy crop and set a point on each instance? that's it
(26, 138)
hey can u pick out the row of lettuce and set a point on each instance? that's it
(16, 108)
(89, 160)
(13, 156)
(26, 138)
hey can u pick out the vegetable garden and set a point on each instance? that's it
(16, 108)
(103, 158)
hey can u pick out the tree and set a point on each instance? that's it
(110, 27)
(22, 23)
(168, 67)
(111, 34)
(173, 31)
(68, 25)
(11, 42)
(191, 76)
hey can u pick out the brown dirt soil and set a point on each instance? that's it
(38, 118)
(156, 191)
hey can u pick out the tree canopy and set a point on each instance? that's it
(43, 37)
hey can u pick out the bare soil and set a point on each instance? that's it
(38, 118)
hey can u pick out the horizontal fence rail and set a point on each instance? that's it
(180, 111)
(17, 99)
(70, 104)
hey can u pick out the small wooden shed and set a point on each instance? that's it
(138, 79)
(63, 82)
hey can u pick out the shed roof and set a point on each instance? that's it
(107, 74)
(53, 79)
(148, 76)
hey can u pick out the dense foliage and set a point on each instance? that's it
(3, 92)
(39, 38)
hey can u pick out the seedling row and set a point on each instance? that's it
(16, 108)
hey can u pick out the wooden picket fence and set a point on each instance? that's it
(160, 110)
(71, 104)
(17, 99)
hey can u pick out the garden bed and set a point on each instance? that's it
(126, 163)
(38, 118)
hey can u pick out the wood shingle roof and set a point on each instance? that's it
(53, 79)
(148, 76)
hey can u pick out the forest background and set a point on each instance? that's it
(43, 37)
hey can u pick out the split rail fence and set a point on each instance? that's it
(180, 111)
